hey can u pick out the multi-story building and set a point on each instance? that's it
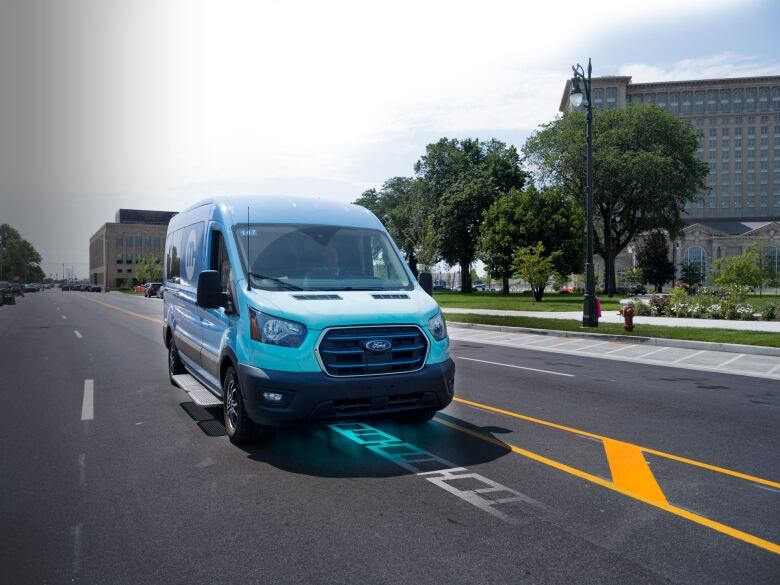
(738, 123)
(117, 247)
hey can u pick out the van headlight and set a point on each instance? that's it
(437, 326)
(275, 331)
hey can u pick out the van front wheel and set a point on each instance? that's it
(240, 429)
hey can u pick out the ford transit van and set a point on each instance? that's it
(288, 311)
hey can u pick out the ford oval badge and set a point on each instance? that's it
(377, 345)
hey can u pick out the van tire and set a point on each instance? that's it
(420, 416)
(175, 367)
(240, 429)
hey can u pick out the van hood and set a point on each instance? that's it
(320, 309)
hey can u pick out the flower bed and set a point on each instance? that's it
(706, 303)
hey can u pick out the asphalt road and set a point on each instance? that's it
(548, 469)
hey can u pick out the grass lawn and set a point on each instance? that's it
(716, 335)
(519, 302)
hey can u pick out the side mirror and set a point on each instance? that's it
(210, 295)
(426, 282)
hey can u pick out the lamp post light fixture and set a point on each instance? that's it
(580, 96)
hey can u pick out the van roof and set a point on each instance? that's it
(282, 209)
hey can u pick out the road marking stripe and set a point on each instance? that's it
(631, 472)
(655, 351)
(730, 360)
(775, 369)
(76, 332)
(587, 347)
(627, 346)
(518, 367)
(717, 526)
(663, 454)
(87, 405)
(685, 357)
(121, 310)
(565, 343)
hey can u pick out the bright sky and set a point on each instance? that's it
(156, 104)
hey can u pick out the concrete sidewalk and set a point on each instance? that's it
(674, 355)
(614, 317)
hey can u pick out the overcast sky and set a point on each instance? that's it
(155, 104)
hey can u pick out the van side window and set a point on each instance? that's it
(172, 257)
(219, 258)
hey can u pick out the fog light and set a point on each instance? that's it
(272, 396)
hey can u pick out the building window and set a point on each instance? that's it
(725, 101)
(750, 99)
(611, 97)
(712, 101)
(763, 99)
(770, 256)
(650, 98)
(674, 102)
(119, 259)
(736, 100)
(686, 102)
(776, 98)
(698, 100)
(598, 97)
(661, 100)
(696, 256)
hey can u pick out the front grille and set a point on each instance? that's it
(317, 297)
(343, 351)
(393, 296)
(377, 404)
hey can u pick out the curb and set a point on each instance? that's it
(656, 341)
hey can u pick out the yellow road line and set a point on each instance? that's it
(631, 472)
(553, 425)
(717, 526)
(121, 310)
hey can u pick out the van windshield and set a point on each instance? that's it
(319, 257)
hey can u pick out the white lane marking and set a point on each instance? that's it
(728, 361)
(64, 317)
(685, 357)
(655, 351)
(518, 367)
(76, 532)
(76, 332)
(627, 346)
(82, 469)
(767, 488)
(775, 369)
(587, 347)
(87, 406)
(439, 471)
(565, 343)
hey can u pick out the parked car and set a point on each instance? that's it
(440, 287)
(479, 286)
(31, 287)
(296, 314)
(153, 290)
(95, 288)
(7, 296)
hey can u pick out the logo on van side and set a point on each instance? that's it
(189, 255)
(377, 345)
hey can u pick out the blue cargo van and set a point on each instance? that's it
(287, 311)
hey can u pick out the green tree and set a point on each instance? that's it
(770, 275)
(523, 218)
(462, 178)
(653, 260)
(404, 209)
(644, 172)
(20, 259)
(744, 269)
(691, 274)
(531, 264)
(149, 270)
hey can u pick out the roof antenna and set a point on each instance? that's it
(248, 257)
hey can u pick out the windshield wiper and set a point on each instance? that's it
(280, 282)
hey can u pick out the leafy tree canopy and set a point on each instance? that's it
(532, 265)
(523, 218)
(20, 260)
(653, 260)
(644, 171)
(744, 269)
(462, 178)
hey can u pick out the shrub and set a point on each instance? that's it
(640, 309)
(770, 311)
(638, 289)
(744, 311)
(659, 305)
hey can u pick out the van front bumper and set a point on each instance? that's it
(315, 396)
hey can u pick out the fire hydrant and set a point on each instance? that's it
(628, 315)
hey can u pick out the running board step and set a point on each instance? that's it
(196, 391)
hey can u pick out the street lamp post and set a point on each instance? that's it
(590, 317)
